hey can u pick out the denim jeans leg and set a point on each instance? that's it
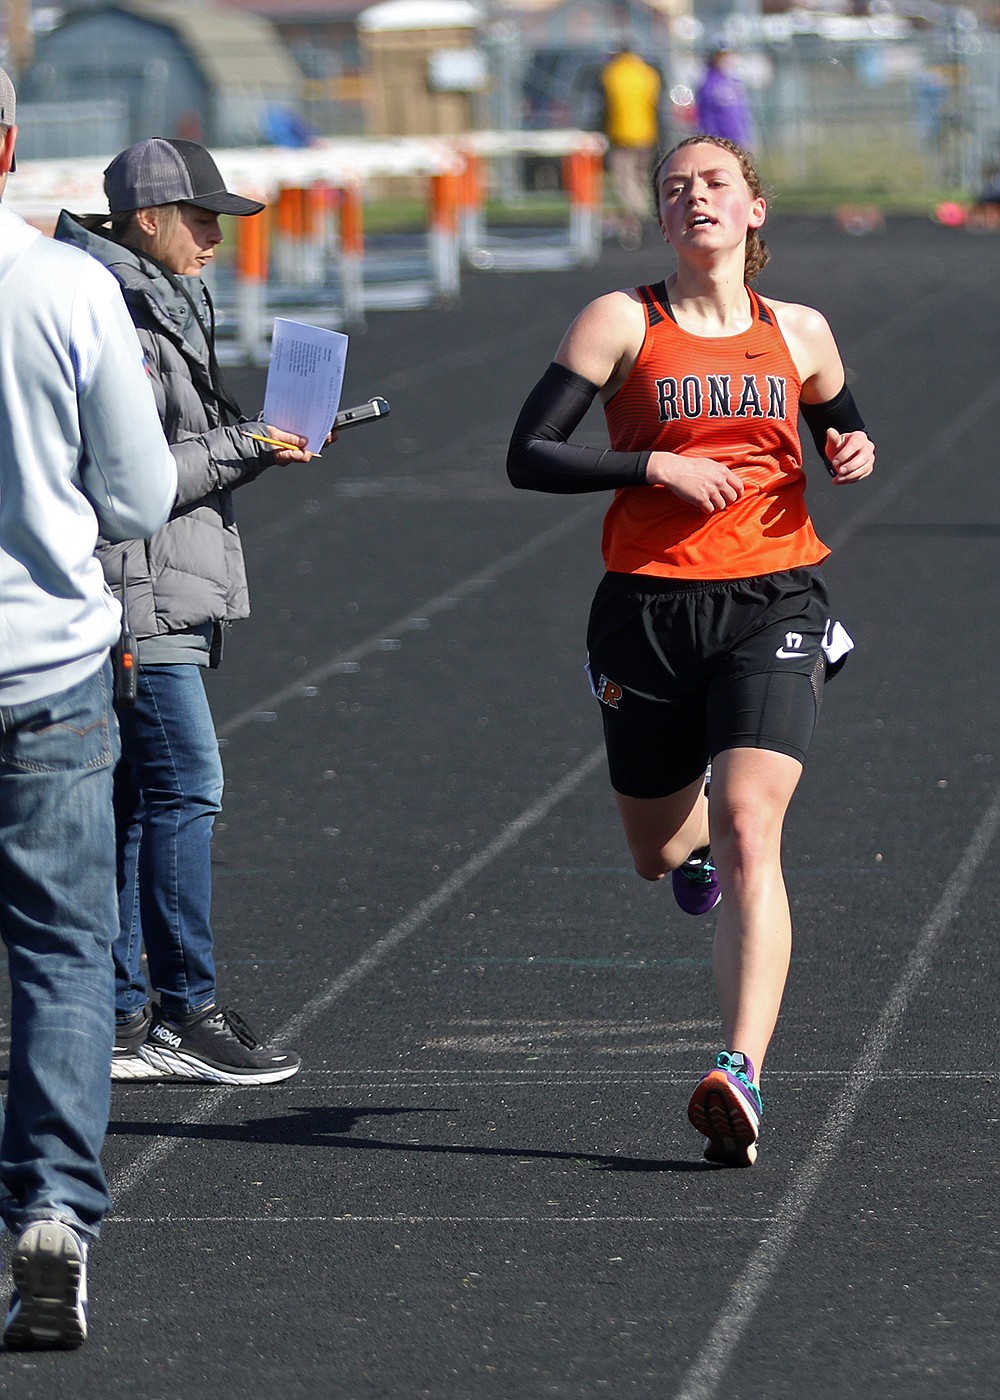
(57, 919)
(166, 801)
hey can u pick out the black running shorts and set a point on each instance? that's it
(685, 670)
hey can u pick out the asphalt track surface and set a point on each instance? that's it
(483, 1183)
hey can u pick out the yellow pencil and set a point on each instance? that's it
(273, 442)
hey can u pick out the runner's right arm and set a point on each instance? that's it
(541, 457)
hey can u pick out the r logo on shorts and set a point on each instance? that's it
(608, 692)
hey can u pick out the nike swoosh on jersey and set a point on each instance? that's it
(784, 655)
(755, 354)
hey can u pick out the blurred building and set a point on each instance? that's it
(542, 57)
(111, 74)
(426, 69)
(322, 36)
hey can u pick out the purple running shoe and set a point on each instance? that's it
(696, 885)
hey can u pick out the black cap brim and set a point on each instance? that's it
(225, 203)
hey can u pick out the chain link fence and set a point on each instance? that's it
(897, 115)
(866, 108)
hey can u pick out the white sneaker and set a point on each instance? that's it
(48, 1307)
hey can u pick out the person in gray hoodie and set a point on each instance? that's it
(81, 450)
(184, 585)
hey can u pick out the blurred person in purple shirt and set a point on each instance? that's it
(723, 109)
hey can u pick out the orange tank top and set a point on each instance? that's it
(734, 399)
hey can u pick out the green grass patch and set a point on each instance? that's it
(818, 175)
(413, 215)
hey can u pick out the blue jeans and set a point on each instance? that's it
(168, 790)
(57, 917)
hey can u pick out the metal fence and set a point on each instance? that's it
(866, 106)
(896, 112)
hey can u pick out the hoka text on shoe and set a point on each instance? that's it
(215, 1045)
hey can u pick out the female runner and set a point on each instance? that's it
(710, 633)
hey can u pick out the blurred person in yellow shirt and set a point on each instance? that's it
(631, 124)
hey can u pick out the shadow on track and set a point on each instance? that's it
(326, 1127)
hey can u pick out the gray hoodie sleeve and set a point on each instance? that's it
(127, 471)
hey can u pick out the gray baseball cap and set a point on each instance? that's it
(164, 171)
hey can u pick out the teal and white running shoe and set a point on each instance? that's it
(726, 1107)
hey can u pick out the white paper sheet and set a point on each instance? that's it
(304, 380)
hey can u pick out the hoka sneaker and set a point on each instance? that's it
(126, 1062)
(214, 1045)
(726, 1107)
(48, 1307)
(696, 885)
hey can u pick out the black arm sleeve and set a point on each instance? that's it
(541, 458)
(840, 412)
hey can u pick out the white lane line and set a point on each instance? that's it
(762, 1265)
(409, 621)
(213, 1100)
(446, 891)
(704, 1379)
(442, 1219)
(387, 1080)
(130, 1177)
(410, 1078)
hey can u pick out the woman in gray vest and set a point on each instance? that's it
(183, 585)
